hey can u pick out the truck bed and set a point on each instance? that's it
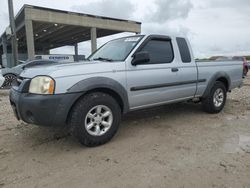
(208, 69)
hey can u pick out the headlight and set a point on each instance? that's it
(42, 85)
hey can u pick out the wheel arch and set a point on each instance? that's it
(219, 76)
(224, 81)
(101, 84)
(10, 73)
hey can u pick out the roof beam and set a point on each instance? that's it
(49, 32)
(66, 30)
(80, 20)
(68, 35)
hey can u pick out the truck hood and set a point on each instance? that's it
(70, 69)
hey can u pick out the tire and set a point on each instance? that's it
(216, 100)
(9, 79)
(85, 114)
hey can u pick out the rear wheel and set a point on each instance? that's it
(216, 99)
(9, 79)
(95, 119)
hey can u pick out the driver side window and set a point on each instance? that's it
(160, 51)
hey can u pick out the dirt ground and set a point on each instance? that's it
(171, 146)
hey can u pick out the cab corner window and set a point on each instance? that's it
(184, 50)
(160, 51)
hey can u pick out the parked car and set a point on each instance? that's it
(123, 75)
(11, 74)
(245, 64)
(1, 79)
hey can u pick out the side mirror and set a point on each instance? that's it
(140, 58)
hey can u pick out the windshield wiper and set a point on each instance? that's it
(103, 59)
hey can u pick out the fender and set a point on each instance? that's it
(86, 85)
(213, 79)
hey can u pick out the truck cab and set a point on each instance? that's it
(164, 67)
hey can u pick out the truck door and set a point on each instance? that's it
(187, 74)
(156, 81)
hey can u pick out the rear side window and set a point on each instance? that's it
(184, 50)
(160, 51)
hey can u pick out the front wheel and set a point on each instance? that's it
(216, 99)
(9, 79)
(95, 119)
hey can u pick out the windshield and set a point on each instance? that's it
(116, 50)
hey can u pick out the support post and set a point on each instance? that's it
(76, 52)
(13, 33)
(5, 52)
(4, 44)
(93, 39)
(30, 39)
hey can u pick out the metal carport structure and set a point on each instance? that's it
(40, 29)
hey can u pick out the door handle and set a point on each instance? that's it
(174, 69)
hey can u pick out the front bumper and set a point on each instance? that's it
(43, 110)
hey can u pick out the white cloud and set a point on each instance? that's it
(213, 27)
(219, 27)
(167, 10)
(110, 8)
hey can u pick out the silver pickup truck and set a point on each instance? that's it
(123, 75)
